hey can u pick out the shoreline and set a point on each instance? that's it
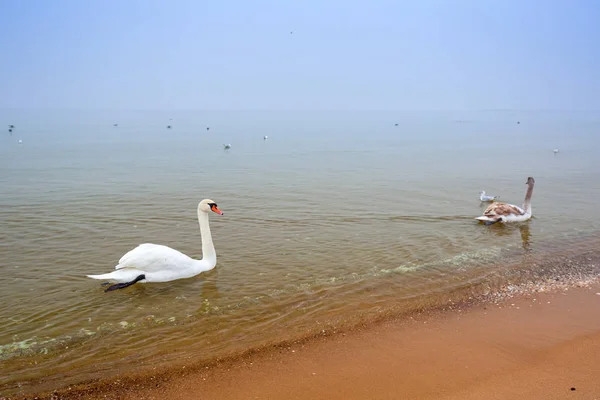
(520, 272)
(333, 354)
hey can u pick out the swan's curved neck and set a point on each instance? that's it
(208, 249)
(527, 203)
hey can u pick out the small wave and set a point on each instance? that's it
(428, 218)
(41, 345)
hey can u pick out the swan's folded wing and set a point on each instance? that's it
(150, 257)
(502, 209)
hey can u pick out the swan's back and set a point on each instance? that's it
(151, 257)
(502, 209)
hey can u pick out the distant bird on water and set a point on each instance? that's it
(208, 128)
(20, 141)
(11, 127)
(265, 137)
(395, 124)
(555, 151)
(10, 131)
(484, 197)
(115, 124)
(227, 146)
(168, 126)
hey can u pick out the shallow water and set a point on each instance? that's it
(336, 218)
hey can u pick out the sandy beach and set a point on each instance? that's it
(533, 346)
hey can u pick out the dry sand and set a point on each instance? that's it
(540, 346)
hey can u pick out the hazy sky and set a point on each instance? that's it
(342, 54)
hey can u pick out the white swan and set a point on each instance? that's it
(504, 212)
(483, 197)
(157, 263)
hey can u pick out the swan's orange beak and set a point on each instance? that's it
(214, 208)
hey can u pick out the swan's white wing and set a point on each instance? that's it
(150, 257)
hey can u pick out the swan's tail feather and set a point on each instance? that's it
(120, 275)
(102, 276)
(488, 220)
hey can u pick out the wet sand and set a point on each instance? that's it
(534, 346)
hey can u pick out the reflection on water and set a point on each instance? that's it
(525, 236)
(324, 225)
(510, 230)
